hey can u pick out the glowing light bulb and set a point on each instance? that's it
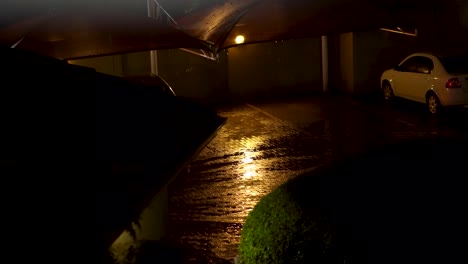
(240, 39)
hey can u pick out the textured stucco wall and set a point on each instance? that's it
(375, 52)
(136, 63)
(346, 61)
(106, 64)
(119, 65)
(194, 76)
(275, 69)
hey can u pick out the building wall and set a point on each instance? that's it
(106, 64)
(275, 69)
(250, 71)
(463, 13)
(364, 56)
(442, 31)
(346, 62)
(375, 52)
(334, 66)
(119, 65)
(189, 75)
(136, 63)
(291, 67)
(194, 76)
(294, 67)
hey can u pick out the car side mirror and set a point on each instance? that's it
(398, 68)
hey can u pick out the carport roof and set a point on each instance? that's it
(80, 33)
(218, 22)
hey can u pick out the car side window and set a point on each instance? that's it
(424, 65)
(418, 64)
(409, 65)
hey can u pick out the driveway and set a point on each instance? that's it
(262, 145)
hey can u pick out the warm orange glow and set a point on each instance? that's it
(240, 39)
(247, 160)
(248, 167)
(249, 174)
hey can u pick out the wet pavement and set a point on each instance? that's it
(263, 144)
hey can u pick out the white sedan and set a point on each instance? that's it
(436, 81)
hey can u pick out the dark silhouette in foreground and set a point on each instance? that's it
(83, 153)
(403, 203)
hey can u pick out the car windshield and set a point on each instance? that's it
(455, 64)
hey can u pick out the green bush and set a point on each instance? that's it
(398, 203)
(287, 226)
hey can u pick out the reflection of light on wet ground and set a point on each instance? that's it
(251, 156)
(243, 163)
(249, 174)
(247, 165)
(247, 160)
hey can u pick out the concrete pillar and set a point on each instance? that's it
(153, 12)
(325, 64)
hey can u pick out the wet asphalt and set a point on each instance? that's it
(263, 144)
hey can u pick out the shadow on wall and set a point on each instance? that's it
(193, 76)
(275, 69)
(389, 57)
(375, 52)
(448, 30)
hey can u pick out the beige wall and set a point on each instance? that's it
(257, 70)
(119, 65)
(251, 71)
(271, 69)
(346, 62)
(136, 63)
(290, 67)
(188, 74)
(363, 56)
(463, 13)
(375, 52)
(107, 64)
(194, 76)
(275, 69)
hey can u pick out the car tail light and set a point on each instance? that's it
(453, 83)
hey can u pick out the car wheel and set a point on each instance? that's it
(387, 92)
(433, 103)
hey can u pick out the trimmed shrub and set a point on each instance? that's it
(401, 203)
(282, 230)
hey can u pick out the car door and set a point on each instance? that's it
(421, 80)
(412, 77)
